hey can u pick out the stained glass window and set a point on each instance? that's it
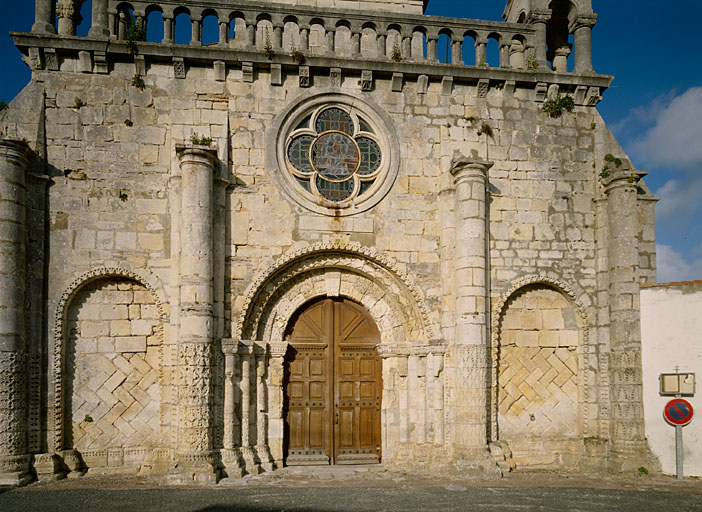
(329, 161)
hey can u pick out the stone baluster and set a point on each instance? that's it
(432, 43)
(457, 52)
(381, 41)
(582, 38)
(407, 47)
(471, 351)
(66, 12)
(223, 32)
(516, 55)
(330, 40)
(264, 454)
(540, 19)
(304, 39)
(275, 401)
(356, 44)
(481, 52)
(99, 29)
(168, 26)
(196, 27)
(122, 26)
(44, 17)
(560, 59)
(15, 160)
(627, 424)
(505, 61)
(278, 37)
(198, 165)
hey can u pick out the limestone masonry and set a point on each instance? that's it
(206, 251)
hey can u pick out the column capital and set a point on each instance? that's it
(465, 167)
(17, 152)
(584, 20)
(278, 348)
(539, 16)
(622, 179)
(196, 152)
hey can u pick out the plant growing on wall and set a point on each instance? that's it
(78, 103)
(531, 63)
(554, 107)
(396, 54)
(486, 129)
(268, 46)
(297, 56)
(138, 82)
(610, 160)
(200, 141)
(3, 105)
(135, 32)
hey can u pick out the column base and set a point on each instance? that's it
(99, 33)
(265, 458)
(194, 467)
(42, 27)
(233, 464)
(48, 468)
(252, 464)
(74, 463)
(15, 471)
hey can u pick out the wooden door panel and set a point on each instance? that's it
(334, 382)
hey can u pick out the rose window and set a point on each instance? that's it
(334, 155)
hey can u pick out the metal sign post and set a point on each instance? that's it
(678, 412)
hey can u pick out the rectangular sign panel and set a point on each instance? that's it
(677, 384)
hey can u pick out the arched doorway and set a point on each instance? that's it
(333, 385)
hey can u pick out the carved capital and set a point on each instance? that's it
(583, 21)
(539, 16)
(465, 167)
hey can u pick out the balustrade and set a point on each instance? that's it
(338, 33)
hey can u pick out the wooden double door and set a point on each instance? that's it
(333, 385)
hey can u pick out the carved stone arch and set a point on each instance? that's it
(339, 255)
(582, 303)
(386, 312)
(57, 348)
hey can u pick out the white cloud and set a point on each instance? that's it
(671, 266)
(679, 198)
(640, 118)
(675, 140)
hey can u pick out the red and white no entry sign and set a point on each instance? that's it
(678, 412)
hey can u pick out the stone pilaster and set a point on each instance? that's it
(194, 439)
(275, 401)
(628, 441)
(44, 17)
(233, 466)
(470, 350)
(99, 29)
(582, 38)
(540, 19)
(15, 159)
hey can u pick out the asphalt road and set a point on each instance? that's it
(331, 498)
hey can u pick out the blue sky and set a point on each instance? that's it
(654, 106)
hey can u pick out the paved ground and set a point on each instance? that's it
(364, 489)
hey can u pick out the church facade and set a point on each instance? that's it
(337, 235)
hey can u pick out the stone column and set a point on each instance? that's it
(330, 41)
(198, 165)
(278, 37)
(246, 353)
(627, 434)
(382, 45)
(15, 160)
(275, 401)
(582, 39)
(44, 17)
(304, 39)
(223, 33)
(516, 55)
(65, 11)
(168, 22)
(471, 355)
(539, 19)
(457, 52)
(435, 364)
(99, 29)
(481, 52)
(196, 31)
(233, 466)
(431, 49)
(264, 454)
(560, 59)
(505, 54)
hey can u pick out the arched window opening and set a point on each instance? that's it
(492, 53)
(84, 19)
(393, 43)
(468, 50)
(557, 34)
(210, 29)
(264, 34)
(369, 45)
(291, 36)
(317, 37)
(443, 48)
(154, 27)
(183, 28)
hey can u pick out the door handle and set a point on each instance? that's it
(336, 420)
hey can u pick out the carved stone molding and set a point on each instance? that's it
(143, 276)
(330, 255)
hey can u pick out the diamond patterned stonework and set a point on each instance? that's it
(113, 365)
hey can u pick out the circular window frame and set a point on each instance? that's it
(285, 128)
